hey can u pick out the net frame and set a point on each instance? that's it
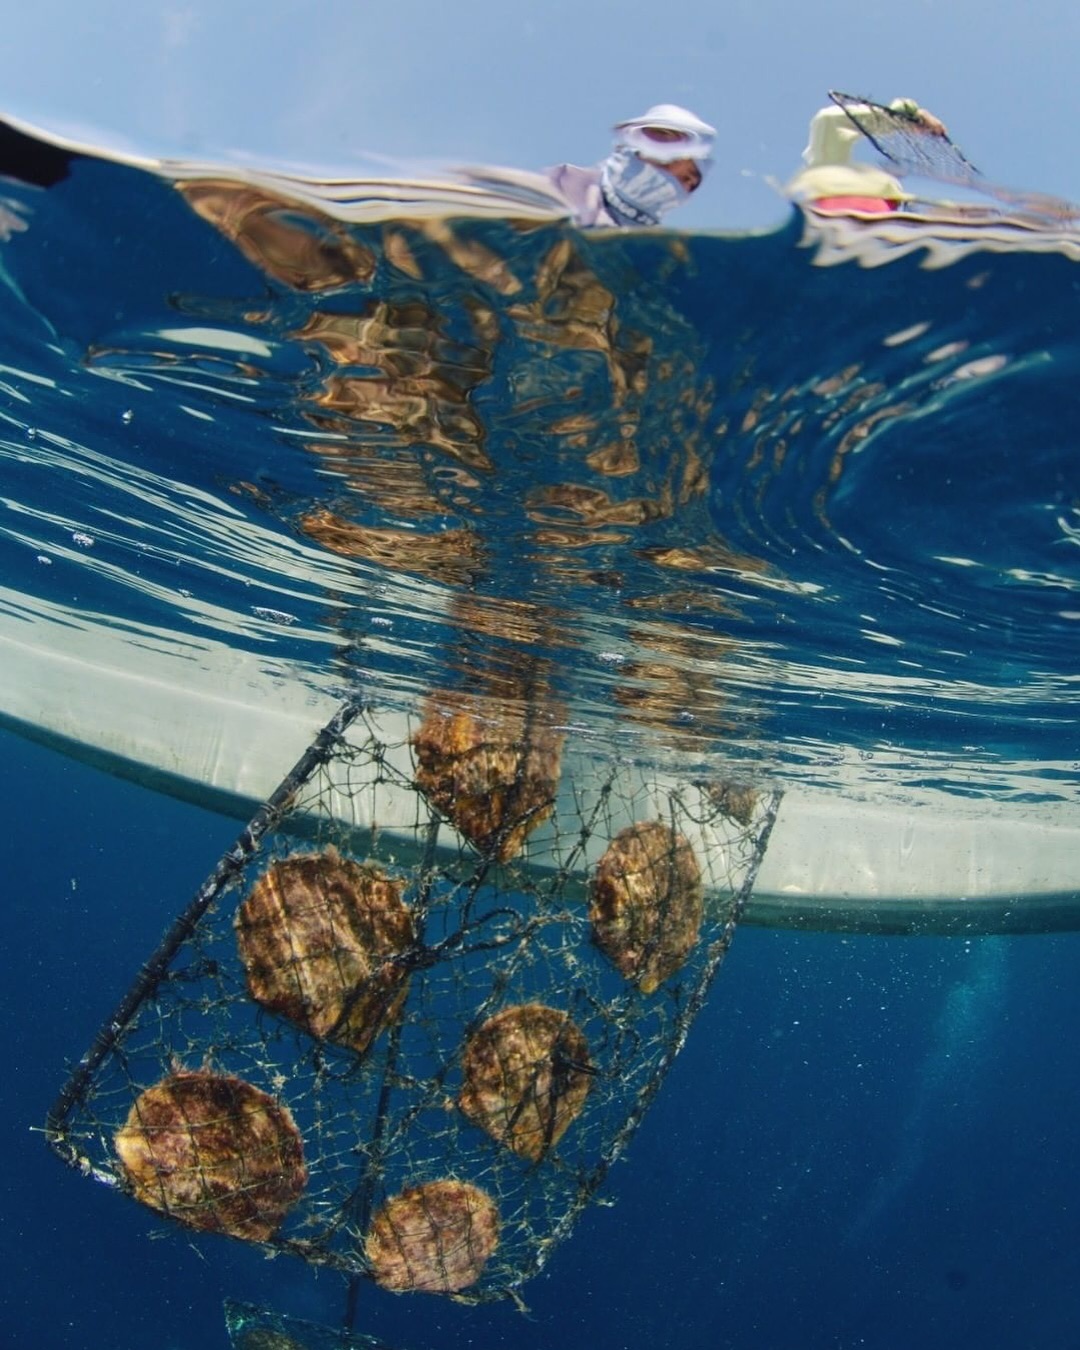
(490, 934)
(910, 147)
(906, 142)
(253, 1328)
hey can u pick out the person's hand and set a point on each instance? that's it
(926, 119)
(932, 124)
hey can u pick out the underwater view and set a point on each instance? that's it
(541, 762)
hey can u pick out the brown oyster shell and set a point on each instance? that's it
(215, 1153)
(318, 935)
(262, 1339)
(737, 801)
(526, 1073)
(433, 1238)
(647, 903)
(491, 767)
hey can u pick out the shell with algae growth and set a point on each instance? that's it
(491, 768)
(215, 1153)
(527, 1073)
(647, 903)
(321, 938)
(434, 1238)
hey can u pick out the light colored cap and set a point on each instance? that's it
(688, 136)
(670, 117)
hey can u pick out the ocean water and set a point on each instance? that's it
(867, 1141)
(796, 510)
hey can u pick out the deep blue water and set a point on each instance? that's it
(867, 1141)
(808, 505)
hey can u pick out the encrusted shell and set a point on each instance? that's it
(434, 1238)
(737, 801)
(647, 903)
(215, 1153)
(321, 939)
(492, 769)
(526, 1076)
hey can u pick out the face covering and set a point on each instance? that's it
(637, 193)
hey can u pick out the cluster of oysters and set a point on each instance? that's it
(330, 944)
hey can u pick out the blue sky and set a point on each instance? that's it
(531, 84)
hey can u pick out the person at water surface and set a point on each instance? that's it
(657, 161)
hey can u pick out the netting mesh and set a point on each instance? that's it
(909, 145)
(386, 1049)
(252, 1328)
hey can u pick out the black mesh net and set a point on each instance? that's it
(414, 1015)
(910, 146)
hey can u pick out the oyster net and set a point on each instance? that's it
(906, 143)
(419, 1067)
(254, 1328)
(909, 147)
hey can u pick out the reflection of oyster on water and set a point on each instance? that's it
(215, 1153)
(434, 1238)
(321, 938)
(491, 767)
(647, 903)
(526, 1074)
(291, 241)
(452, 557)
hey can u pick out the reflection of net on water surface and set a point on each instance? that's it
(519, 1015)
